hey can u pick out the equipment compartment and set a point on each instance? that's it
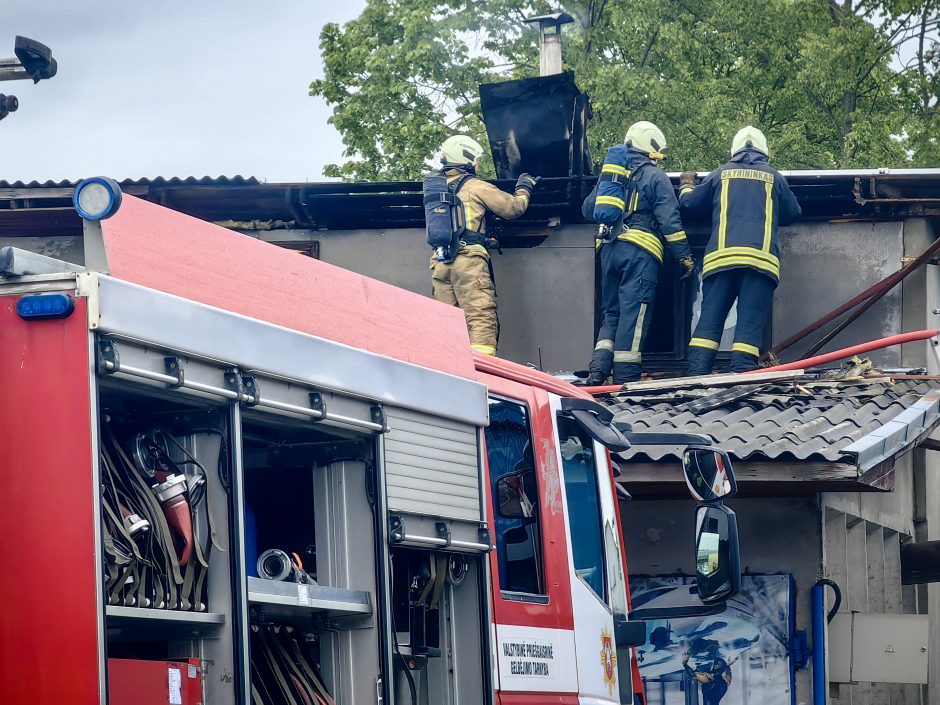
(310, 560)
(166, 473)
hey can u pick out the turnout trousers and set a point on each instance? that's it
(629, 275)
(467, 283)
(754, 293)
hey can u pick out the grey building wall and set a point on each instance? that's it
(780, 535)
(826, 264)
(546, 293)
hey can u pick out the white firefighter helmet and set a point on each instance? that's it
(460, 150)
(647, 138)
(749, 138)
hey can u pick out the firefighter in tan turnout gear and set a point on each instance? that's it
(461, 271)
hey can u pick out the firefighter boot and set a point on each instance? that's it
(627, 372)
(701, 358)
(602, 360)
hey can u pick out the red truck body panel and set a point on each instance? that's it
(177, 254)
(48, 519)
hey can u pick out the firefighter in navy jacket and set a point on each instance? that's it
(630, 262)
(747, 199)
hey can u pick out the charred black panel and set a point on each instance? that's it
(537, 125)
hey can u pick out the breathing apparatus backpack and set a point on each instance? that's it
(615, 188)
(444, 214)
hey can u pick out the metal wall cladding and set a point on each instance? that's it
(432, 466)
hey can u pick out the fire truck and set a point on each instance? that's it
(234, 474)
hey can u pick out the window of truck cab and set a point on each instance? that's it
(510, 456)
(585, 515)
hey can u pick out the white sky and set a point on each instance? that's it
(159, 88)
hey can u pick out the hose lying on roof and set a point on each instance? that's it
(850, 352)
(841, 354)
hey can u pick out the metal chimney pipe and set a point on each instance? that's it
(550, 41)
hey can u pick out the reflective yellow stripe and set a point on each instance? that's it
(743, 252)
(768, 214)
(752, 174)
(685, 189)
(676, 237)
(745, 348)
(610, 201)
(627, 356)
(638, 331)
(615, 169)
(598, 243)
(636, 200)
(746, 261)
(704, 343)
(605, 344)
(723, 213)
(485, 349)
(648, 242)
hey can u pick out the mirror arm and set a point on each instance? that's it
(605, 415)
(667, 439)
(677, 612)
(596, 420)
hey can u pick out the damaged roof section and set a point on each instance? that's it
(853, 428)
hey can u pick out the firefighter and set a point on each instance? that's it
(747, 199)
(630, 261)
(467, 280)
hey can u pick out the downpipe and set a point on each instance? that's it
(820, 622)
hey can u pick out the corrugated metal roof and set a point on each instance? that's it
(236, 180)
(860, 423)
(336, 205)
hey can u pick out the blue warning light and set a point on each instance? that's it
(44, 306)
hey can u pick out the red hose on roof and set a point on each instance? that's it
(849, 352)
(814, 361)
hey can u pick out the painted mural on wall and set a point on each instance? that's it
(739, 657)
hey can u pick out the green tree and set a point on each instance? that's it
(834, 84)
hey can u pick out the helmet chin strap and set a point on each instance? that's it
(469, 168)
(655, 156)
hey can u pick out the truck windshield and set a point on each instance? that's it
(584, 509)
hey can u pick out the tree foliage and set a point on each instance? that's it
(851, 83)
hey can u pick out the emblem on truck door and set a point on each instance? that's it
(609, 660)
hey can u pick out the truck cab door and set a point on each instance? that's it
(534, 638)
(598, 584)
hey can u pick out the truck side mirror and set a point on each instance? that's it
(708, 473)
(517, 495)
(717, 556)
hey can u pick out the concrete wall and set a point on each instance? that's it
(546, 293)
(780, 535)
(826, 264)
(69, 249)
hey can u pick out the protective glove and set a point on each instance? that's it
(527, 182)
(687, 267)
(687, 179)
